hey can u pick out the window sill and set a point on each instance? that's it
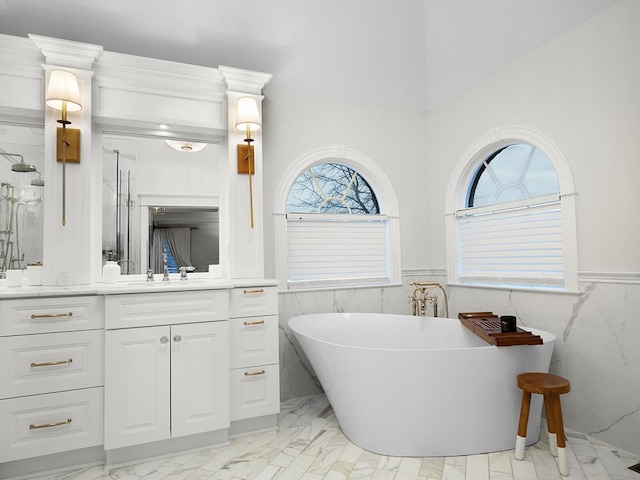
(516, 288)
(339, 287)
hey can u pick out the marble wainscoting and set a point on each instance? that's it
(597, 334)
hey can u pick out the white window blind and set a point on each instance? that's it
(324, 249)
(512, 243)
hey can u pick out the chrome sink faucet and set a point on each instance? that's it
(165, 269)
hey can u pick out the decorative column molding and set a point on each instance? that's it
(245, 245)
(21, 79)
(244, 81)
(66, 53)
(66, 249)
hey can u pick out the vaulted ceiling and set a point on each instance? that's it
(407, 53)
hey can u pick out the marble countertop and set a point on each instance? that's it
(132, 285)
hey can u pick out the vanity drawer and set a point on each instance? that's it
(51, 362)
(254, 392)
(253, 301)
(253, 341)
(165, 308)
(52, 423)
(51, 314)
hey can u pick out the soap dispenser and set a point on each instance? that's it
(110, 272)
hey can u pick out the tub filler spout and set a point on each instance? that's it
(420, 298)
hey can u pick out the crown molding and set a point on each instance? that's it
(130, 71)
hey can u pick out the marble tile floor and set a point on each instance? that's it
(309, 445)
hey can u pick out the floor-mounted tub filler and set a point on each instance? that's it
(402, 385)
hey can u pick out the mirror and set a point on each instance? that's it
(21, 196)
(189, 236)
(156, 199)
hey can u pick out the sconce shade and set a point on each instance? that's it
(63, 88)
(248, 114)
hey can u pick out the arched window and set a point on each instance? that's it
(514, 220)
(331, 188)
(339, 223)
(515, 172)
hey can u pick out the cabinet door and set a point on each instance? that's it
(199, 378)
(137, 386)
(253, 302)
(51, 423)
(168, 308)
(50, 314)
(253, 341)
(255, 392)
(34, 364)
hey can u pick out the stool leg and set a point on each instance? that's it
(551, 425)
(521, 438)
(561, 439)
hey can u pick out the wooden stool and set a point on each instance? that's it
(551, 386)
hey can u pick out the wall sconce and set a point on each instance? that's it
(248, 118)
(63, 94)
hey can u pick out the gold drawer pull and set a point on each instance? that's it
(250, 292)
(50, 364)
(52, 315)
(47, 425)
(258, 322)
(253, 374)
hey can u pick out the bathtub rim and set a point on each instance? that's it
(545, 335)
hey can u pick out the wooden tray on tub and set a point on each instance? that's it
(487, 326)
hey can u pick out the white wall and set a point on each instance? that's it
(582, 90)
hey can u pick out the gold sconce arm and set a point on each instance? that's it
(248, 117)
(63, 94)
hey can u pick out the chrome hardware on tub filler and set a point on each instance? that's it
(149, 275)
(420, 298)
(183, 273)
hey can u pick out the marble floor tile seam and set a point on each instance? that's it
(308, 446)
(455, 467)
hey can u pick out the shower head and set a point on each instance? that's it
(18, 166)
(38, 182)
(22, 167)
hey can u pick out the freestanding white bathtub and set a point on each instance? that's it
(412, 386)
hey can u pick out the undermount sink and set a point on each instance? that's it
(170, 283)
(133, 285)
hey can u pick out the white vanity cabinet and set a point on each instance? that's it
(253, 340)
(166, 366)
(51, 375)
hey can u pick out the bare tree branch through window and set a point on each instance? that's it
(332, 188)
